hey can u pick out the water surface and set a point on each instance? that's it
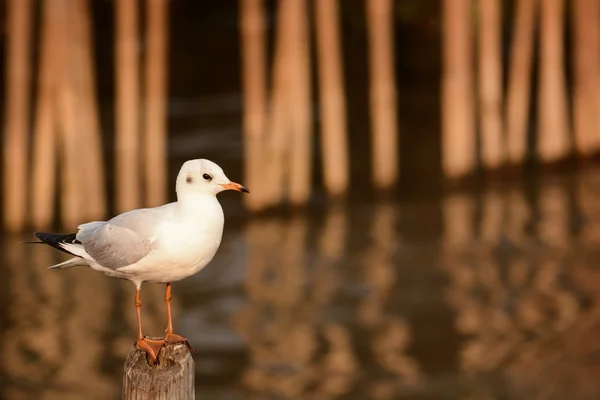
(487, 295)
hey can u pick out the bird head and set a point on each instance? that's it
(203, 176)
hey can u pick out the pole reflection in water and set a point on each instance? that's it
(513, 286)
(298, 332)
(65, 329)
(55, 329)
(276, 323)
(389, 335)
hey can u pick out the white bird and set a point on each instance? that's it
(162, 244)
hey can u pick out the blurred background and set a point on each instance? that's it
(423, 222)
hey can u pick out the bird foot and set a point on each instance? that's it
(171, 338)
(151, 347)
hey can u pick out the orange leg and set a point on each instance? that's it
(171, 337)
(152, 347)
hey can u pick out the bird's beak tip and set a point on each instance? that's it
(235, 186)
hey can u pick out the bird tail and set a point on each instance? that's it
(66, 243)
(58, 241)
(71, 262)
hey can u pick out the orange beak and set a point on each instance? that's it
(235, 186)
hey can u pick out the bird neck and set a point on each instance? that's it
(205, 206)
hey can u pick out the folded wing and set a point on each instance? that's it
(122, 241)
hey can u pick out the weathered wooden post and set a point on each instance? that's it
(490, 83)
(334, 142)
(171, 379)
(252, 28)
(554, 139)
(586, 58)
(383, 96)
(458, 117)
(16, 122)
(519, 80)
(155, 117)
(127, 87)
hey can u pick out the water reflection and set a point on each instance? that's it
(476, 296)
(62, 326)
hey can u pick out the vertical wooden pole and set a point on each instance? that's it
(519, 80)
(16, 113)
(458, 132)
(553, 131)
(172, 379)
(299, 104)
(70, 120)
(490, 83)
(254, 80)
(127, 112)
(43, 183)
(278, 114)
(155, 109)
(586, 60)
(380, 15)
(92, 187)
(331, 94)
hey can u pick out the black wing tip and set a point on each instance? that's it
(55, 240)
(37, 235)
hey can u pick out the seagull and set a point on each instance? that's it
(164, 244)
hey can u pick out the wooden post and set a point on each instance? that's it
(275, 166)
(155, 125)
(380, 16)
(490, 83)
(458, 120)
(299, 103)
(553, 141)
(127, 106)
(16, 128)
(255, 96)
(586, 102)
(43, 183)
(92, 182)
(331, 92)
(70, 120)
(171, 379)
(519, 81)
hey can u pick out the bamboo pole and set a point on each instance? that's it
(458, 133)
(70, 120)
(43, 186)
(155, 107)
(553, 131)
(380, 16)
(490, 83)
(278, 114)
(519, 81)
(127, 106)
(299, 104)
(332, 98)
(586, 60)
(254, 80)
(16, 113)
(93, 168)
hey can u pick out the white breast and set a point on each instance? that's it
(185, 244)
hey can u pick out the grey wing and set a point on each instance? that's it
(122, 241)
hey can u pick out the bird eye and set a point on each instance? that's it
(207, 177)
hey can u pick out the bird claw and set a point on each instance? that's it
(171, 338)
(151, 347)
